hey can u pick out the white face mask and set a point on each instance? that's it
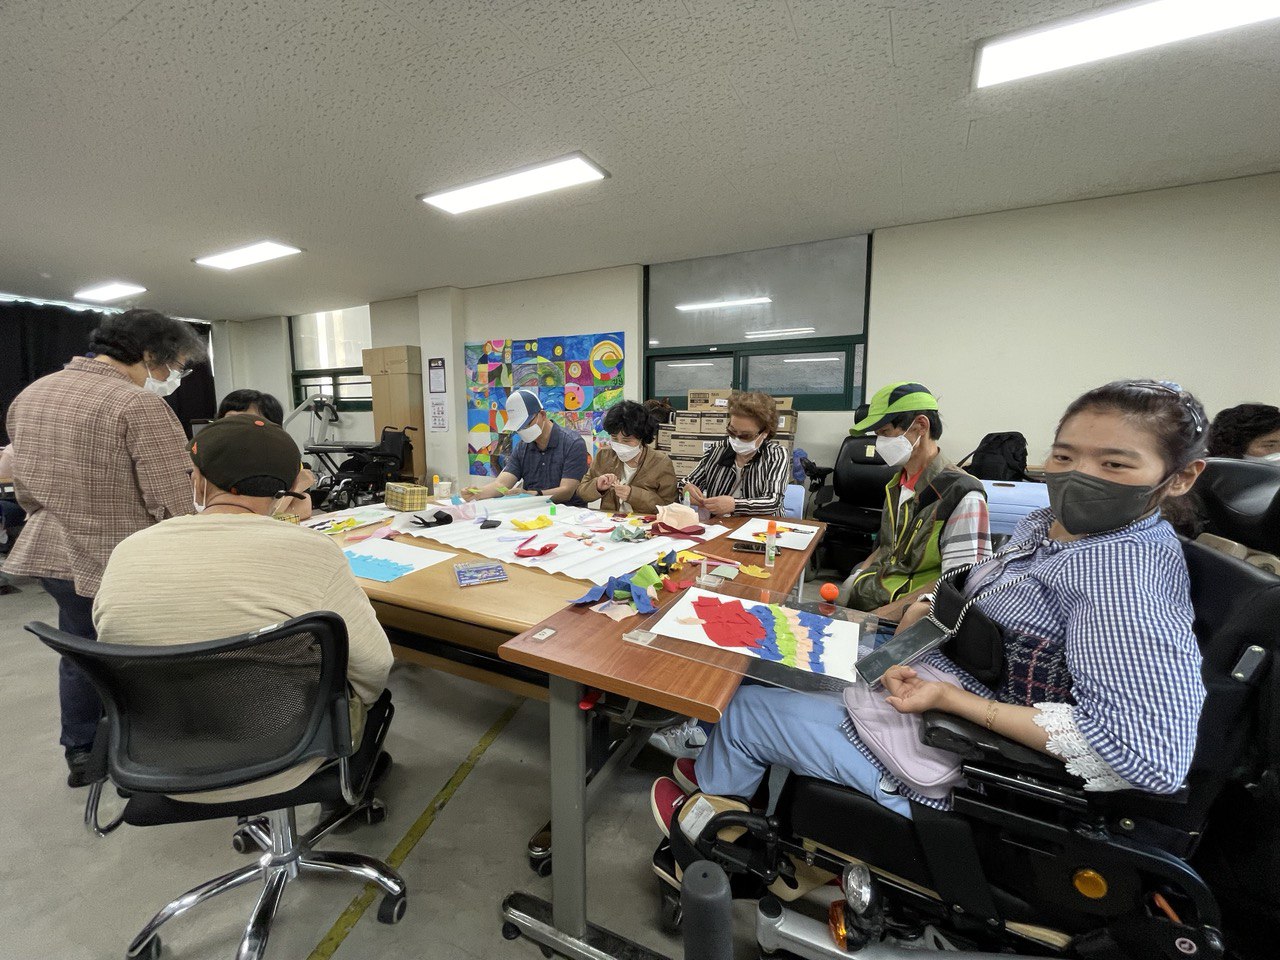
(530, 433)
(895, 451)
(626, 453)
(744, 447)
(200, 507)
(1267, 458)
(166, 386)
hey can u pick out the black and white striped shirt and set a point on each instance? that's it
(764, 478)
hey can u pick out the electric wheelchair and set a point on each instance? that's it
(1027, 862)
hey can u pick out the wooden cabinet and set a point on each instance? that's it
(396, 373)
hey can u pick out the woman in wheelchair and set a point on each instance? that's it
(1091, 602)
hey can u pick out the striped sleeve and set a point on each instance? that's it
(966, 536)
(1135, 667)
(764, 482)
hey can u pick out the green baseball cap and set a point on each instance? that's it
(905, 396)
(247, 456)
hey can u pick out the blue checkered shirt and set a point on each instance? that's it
(1115, 610)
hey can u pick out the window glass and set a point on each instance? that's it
(679, 375)
(799, 291)
(332, 339)
(792, 374)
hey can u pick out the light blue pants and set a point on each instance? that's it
(763, 726)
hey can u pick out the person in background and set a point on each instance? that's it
(11, 515)
(747, 472)
(628, 475)
(935, 516)
(253, 402)
(1093, 604)
(231, 569)
(98, 456)
(551, 461)
(661, 409)
(258, 404)
(1250, 431)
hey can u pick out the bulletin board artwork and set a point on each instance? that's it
(577, 378)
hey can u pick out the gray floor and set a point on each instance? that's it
(69, 895)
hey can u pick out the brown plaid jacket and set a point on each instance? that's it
(96, 458)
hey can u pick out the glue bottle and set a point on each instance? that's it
(771, 543)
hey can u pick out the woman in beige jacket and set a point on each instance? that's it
(628, 475)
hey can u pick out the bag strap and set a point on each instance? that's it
(951, 631)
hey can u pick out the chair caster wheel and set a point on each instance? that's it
(547, 952)
(375, 812)
(391, 909)
(671, 915)
(150, 950)
(540, 865)
(241, 842)
(510, 931)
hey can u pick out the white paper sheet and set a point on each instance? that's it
(837, 646)
(797, 535)
(386, 557)
(596, 561)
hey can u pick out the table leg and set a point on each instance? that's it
(569, 806)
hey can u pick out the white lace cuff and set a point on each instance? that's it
(1068, 744)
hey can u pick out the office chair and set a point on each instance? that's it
(1027, 862)
(853, 516)
(211, 715)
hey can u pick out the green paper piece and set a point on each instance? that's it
(726, 571)
(646, 577)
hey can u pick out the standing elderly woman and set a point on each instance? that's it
(98, 455)
(747, 472)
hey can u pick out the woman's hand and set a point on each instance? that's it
(720, 506)
(913, 614)
(909, 694)
(605, 481)
(622, 491)
(696, 496)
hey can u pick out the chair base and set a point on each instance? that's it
(286, 857)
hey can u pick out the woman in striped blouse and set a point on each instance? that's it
(746, 472)
(1094, 607)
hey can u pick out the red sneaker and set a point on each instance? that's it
(665, 800)
(684, 775)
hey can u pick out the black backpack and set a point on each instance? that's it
(1000, 456)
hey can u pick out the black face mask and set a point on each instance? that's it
(1085, 504)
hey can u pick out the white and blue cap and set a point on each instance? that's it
(522, 407)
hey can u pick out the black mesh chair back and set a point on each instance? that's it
(860, 473)
(1241, 501)
(216, 714)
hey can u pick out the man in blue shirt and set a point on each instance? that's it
(550, 460)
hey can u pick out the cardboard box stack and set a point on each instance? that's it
(695, 431)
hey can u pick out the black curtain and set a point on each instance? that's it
(38, 339)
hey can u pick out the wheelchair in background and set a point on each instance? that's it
(1027, 862)
(364, 475)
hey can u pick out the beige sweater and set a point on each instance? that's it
(208, 577)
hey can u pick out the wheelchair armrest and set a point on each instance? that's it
(946, 731)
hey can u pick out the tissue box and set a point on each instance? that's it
(407, 496)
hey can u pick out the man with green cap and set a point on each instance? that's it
(232, 569)
(935, 514)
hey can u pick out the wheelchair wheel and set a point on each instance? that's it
(671, 913)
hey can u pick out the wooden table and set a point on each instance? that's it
(578, 649)
(436, 623)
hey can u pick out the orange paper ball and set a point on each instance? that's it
(829, 592)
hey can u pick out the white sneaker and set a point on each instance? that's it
(681, 740)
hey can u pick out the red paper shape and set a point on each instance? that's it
(671, 585)
(526, 552)
(727, 624)
(660, 529)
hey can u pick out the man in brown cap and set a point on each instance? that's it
(231, 569)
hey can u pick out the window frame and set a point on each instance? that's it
(341, 404)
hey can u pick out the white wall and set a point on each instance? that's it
(1009, 316)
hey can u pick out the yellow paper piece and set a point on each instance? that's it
(537, 523)
(688, 556)
(752, 571)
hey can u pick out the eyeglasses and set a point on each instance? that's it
(745, 437)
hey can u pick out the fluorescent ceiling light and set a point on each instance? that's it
(700, 363)
(527, 182)
(770, 334)
(813, 359)
(653, 343)
(717, 304)
(244, 256)
(105, 292)
(1112, 33)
